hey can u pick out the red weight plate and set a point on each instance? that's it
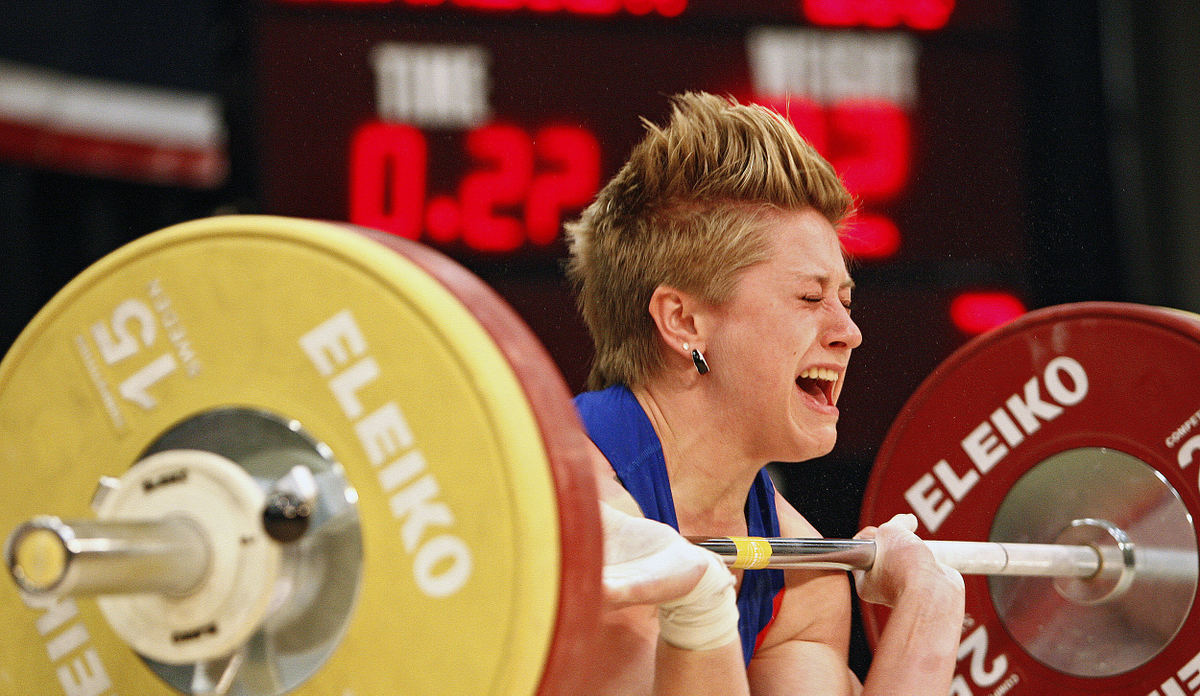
(1106, 377)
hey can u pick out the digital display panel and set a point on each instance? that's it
(480, 126)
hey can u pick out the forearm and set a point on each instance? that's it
(717, 672)
(919, 646)
(699, 650)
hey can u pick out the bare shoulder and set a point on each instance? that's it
(816, 604)
(791, 522)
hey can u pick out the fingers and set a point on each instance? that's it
(906, 521)
(647, 562)
(900, 556)
(954, 577)
(902, 523)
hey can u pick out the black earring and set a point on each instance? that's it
(701, 363)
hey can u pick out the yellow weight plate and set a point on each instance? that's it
(457, 496)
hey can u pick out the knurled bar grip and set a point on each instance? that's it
(48, 556)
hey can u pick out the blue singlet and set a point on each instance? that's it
(617, 424)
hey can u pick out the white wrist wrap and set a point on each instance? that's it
(706, 617)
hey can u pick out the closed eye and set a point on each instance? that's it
(817, 299)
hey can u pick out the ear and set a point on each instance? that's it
(679, 317)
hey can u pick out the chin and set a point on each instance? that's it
(803, 438)
(816, 446)
(802, 452)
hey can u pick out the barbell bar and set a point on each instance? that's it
(967, 557)
(50, 556)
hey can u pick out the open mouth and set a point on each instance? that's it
(818, 382)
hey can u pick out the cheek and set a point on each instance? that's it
(768, 345)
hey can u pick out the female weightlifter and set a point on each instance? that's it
(711, 278)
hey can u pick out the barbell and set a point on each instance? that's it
(299, 457)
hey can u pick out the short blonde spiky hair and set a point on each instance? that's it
(686, 211)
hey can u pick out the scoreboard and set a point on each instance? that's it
(480, 126)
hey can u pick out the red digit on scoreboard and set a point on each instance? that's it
(387, 178)
(926, 15)
(570, 181)
(665, 8)
(871, 236)
(504, 158)
(597, 7)
(807, 116)
(869, 143)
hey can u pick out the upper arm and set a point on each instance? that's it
(801, 668)
(806, 648)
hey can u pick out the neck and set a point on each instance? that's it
(710, 474)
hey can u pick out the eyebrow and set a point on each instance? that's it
(823, 280)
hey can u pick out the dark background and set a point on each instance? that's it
(1055, 158)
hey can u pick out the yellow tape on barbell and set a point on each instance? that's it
(753, 553)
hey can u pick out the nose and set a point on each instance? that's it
(843, 332)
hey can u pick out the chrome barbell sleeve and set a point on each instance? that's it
(50, 556)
